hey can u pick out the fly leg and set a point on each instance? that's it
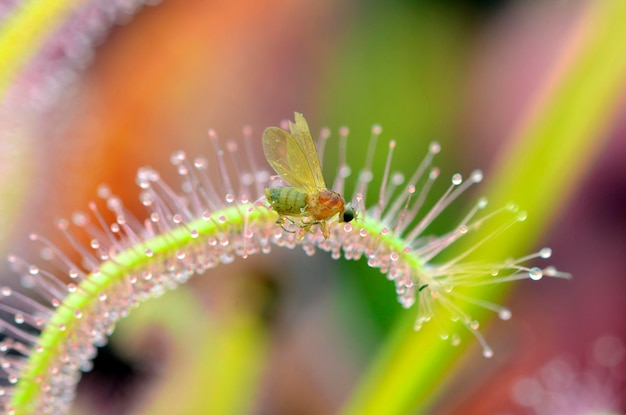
(281, 222)
(306, 227)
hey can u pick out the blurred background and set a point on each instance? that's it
(121, 85)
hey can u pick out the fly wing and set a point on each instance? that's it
(288, 159)
(301, 133)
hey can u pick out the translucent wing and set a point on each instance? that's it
(288, 159)
(300, 131)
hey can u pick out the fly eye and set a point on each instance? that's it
(348, 214)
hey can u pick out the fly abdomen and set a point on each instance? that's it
(286, 200)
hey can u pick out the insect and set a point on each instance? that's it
(294, 157)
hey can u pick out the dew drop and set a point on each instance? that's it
(177, 218)
(535, 273)
(394, 256)
(177, 157)
(477, 176)
(457, 179)
(521, 216)
(230, 198)
(545, 253)
(434, 148)
(62, 327)
(194, 233)
(200, 163)
(366, 176)
(504, 314)
(231, 146)
(455, 340)
(19, 318)
(488, 352)
(102, 296)
(78, 314)
(550, 271)
(5, 291)
(149, 253)
(397, 179)
(363, 233)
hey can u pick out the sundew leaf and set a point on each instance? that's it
(550, 154)
(213, 222)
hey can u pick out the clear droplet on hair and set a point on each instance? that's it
(434, 147)
(545, 253)
(535, 273)
(477, 176)
(504, 314)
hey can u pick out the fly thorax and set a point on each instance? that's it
(325, 203)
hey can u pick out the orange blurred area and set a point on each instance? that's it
(161, 80)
